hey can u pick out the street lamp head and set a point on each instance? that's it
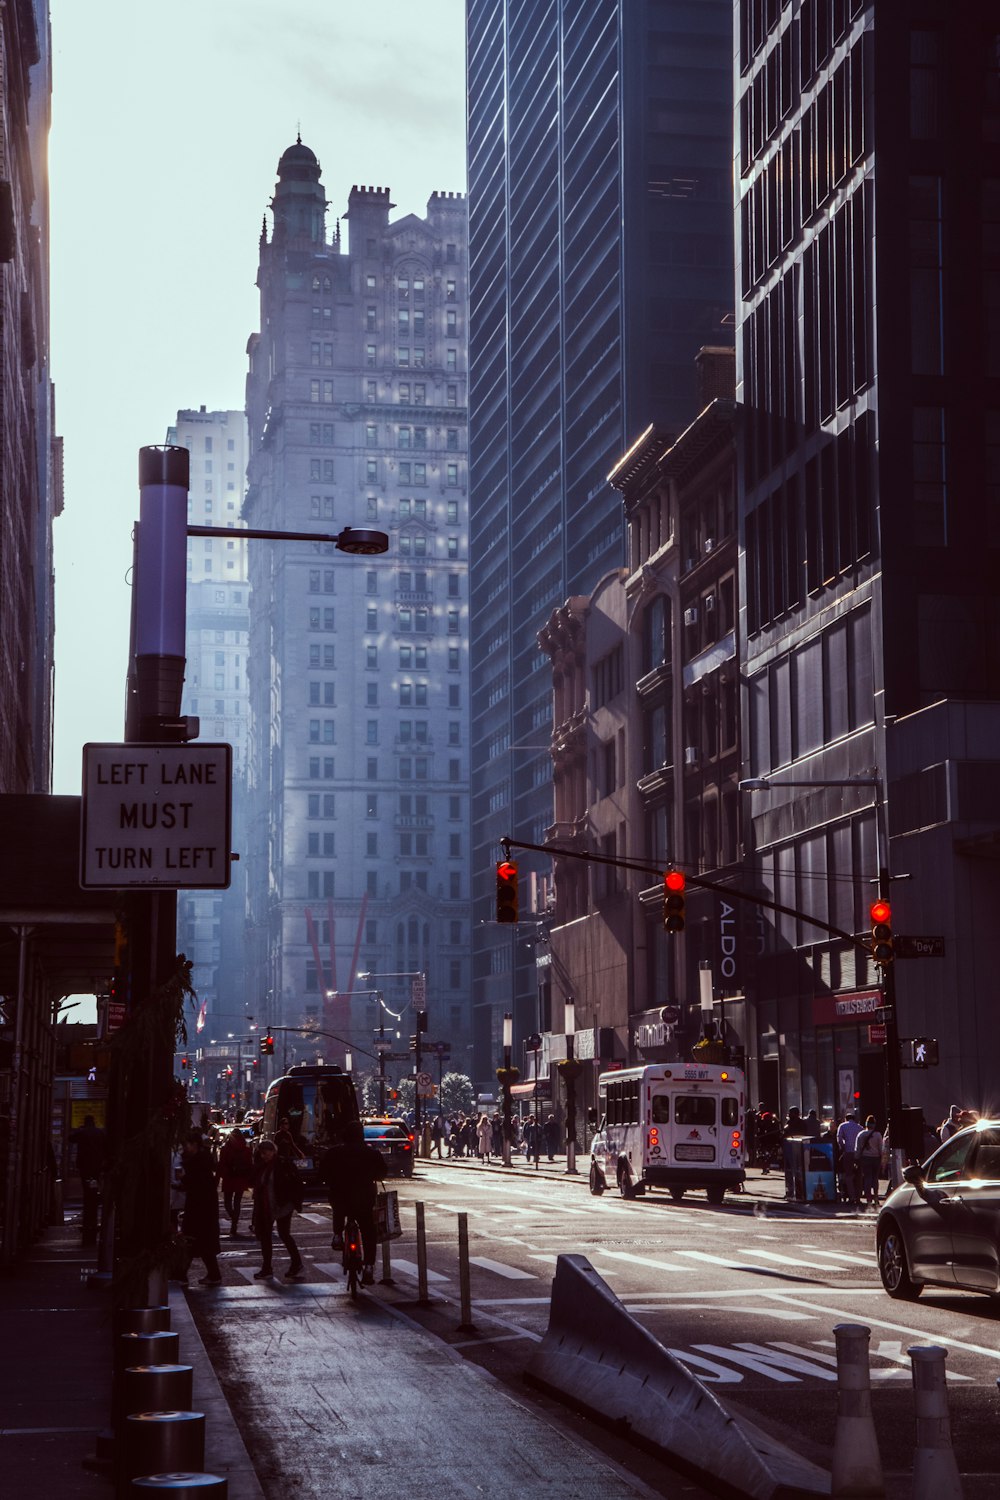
(754, 784)
(570, 1016)
(508, 1029)
(362, 541)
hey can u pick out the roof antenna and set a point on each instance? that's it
(298, 133)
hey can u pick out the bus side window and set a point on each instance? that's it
(730, 1111)
(633, 1102)
(661, 1109)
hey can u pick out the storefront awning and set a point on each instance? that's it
(527, 1090)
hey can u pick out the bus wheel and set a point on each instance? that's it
(625, 1184)
(677, 1193)
(597, 1183)
(715, 1195)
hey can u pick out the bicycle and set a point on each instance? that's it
(353, 1256)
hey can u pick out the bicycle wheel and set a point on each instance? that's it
(352, 1278)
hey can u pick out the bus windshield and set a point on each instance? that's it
(316, 1108)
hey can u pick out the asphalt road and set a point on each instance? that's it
(746, 1295)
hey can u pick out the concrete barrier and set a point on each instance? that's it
(599, 1359)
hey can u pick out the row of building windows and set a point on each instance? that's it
(409, 437)
(410, 396)
(820, 25)
(408, 288)
(407, 358)
(410, 322)
(411, 472)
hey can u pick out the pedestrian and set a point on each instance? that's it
(91, 1161)
(550, 1131)
(951, 1123)
(277, 1194)
(850, 1173)
(200, 1223)
(496, 1125)
(468, 1137)
(532, 1137)
(285, 1141)
(869, 1145)
(811, 1126)
(437, 1134)
(236, 1174)
(484, 1134)
(793, 1122)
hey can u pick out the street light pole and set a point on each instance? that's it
(507, 1075)
(571, 1070)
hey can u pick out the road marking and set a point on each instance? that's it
(551, 1260)
(410, 1268)
(513, 1273)
(919, 1335)
(784, 1315)
(775, 1363)
(852, 1260)
(315, 1218)
(644, 1260)
(892, 1349)
(732, 1265)
(785, 1260)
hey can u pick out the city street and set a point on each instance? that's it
(746, 1295)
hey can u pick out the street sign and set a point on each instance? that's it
(156, 817)
(424, 1084)
(440, 1049)
(918, 947)
(418, 992)
(876, 1036)
(383, 1046)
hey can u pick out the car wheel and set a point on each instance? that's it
(893, 1266)
(625, 1184)
(677, 1193)
(715, 1195)
(597, 1183)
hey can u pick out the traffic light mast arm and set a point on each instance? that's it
(314, 1031)
(730, 892)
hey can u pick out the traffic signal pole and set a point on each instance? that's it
(893, 1065)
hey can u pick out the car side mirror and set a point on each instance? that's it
(914, 1176)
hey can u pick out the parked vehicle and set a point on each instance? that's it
(673, 1125)
(394, 1140)
(941, 1226)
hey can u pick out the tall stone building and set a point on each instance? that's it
(210, 924)
(868, 348)
(30, 453)
(356, 403)
(601, 260)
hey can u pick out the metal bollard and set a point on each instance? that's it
(157, 1388)
(163, 1442)
(141, 1319)
(422, 1297)
(935, 1471)
(386, 1265)
(181, 1486)
(857, 1467)
(466, 1324)
(135, 1349)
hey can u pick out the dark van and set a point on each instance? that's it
(317, 1100)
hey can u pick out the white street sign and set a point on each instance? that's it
(156, 816)
(424, 1083)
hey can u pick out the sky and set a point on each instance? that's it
(168, 120)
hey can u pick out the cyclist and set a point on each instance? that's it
(352, 1173)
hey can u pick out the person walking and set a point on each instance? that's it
(484, 1138)
(236, 1175)
(550, 1131)
(847, 1138)
(200, 1220)
(869, 1146)
(91, 1161)
(437, 1134)
(277, 1194)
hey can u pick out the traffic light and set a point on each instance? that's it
(266, 1045)
(184, 1062)
(673, 901)
(923, 1052)
(421, 1020)
(413, 1043)
(882, 944)
(506, 891)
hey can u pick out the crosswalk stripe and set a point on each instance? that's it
(410, 1268)
(720, 1260)
(784, 1260)
(315, 1218)
(644, 1260)
(512, 1273)
(851, 1260)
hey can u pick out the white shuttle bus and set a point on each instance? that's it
(672, 1125)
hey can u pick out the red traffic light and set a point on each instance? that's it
(880, 911)
(506, 870)
(673, 901)
(674, 880)
(506, 891)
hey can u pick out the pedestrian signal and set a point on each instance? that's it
(673, 901)
(882, 942)
(506, 891)
(924, 1052)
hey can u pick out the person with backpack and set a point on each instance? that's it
(277, 1194)
(868, 1150)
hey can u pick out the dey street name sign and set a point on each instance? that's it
(156, 816)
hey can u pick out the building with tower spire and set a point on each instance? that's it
(358, 761)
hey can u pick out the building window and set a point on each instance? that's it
(371, 435)
(454, 770)
(454, 733)
(369, 357)
(371, 732)
(371, 471)
(371, 769)
(371, 617)
(371, 698)
(371, 658)
(453, 622)
(451, 474)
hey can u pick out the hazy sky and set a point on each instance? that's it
(168, 119)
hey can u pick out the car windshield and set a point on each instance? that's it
(382, 1132)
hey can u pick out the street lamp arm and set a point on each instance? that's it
(355, 539)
